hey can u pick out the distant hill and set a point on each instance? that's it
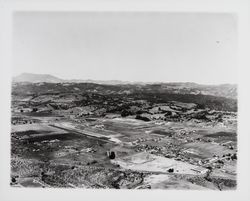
(222, 90)
(36, 78)
(97, 94)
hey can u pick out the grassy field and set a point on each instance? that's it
(207, 150)
(151, 163)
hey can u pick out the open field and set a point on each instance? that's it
(158, 164)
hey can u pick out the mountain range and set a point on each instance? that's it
(36, 78)
(223, 90)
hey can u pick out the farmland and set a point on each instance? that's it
(86, 135)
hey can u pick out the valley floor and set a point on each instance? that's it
(55, 151)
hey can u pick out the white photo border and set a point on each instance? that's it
(239, 7)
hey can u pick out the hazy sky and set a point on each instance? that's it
(148, 46)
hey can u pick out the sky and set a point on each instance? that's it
(128, 46)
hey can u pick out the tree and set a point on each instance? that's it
(112, 155)
(234, 156)
(170, 170)
(34, 109)
(142, 118)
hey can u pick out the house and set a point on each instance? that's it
(200, 170)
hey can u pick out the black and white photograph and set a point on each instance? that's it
(124, 100)
(133, 99)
